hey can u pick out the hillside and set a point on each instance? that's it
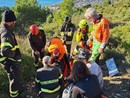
(118, 48)
(78, 4)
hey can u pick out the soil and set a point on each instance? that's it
(117, 86)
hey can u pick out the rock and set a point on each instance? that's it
(116, 97)
(118, 94)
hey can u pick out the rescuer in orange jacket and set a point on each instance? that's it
(58, 55)
(100, 34)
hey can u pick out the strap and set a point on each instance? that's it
(15, 47)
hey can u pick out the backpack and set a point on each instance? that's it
(67, 91)
(68, 94)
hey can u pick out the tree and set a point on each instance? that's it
(49, 18)
(57, 17)
(27, 12)
(66, 9)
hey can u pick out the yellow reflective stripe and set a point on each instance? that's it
(68, 42)
(69, 33)
(13, 92)
(60, 76)
(75, 61)
(75, 51)
(19, 60)
(49, 82)
(2, 59)
(38, 81)
(14, 95)
(15, 60)
(62, 33)
(50, 91)
(6, 44)
(79, 35)
(15, 47)
(12, 59)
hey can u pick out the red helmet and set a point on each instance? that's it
(34, 29)
(56, 52)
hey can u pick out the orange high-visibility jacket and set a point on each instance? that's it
(101, 30)
(57, 41)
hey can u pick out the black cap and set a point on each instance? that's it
(67, 19)
(8, 16)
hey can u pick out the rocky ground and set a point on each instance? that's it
(117, 86)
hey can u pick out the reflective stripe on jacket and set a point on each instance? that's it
(50, 82)
(8, 45)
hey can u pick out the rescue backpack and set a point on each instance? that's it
(67, 91)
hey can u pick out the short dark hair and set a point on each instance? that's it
(80, 70)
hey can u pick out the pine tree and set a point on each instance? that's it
(27, 12)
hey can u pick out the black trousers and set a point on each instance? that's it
(50, 95)
(13, 73)
(68, 46)
(36, 57)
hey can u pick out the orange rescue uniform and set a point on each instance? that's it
(101, 30)
(100, 36)
(58, 42)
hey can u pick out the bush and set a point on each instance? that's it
(49, 19)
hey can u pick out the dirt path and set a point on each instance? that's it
(114, 87)
(117, 86)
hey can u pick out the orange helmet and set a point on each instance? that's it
(56, 52)
(34, 29)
